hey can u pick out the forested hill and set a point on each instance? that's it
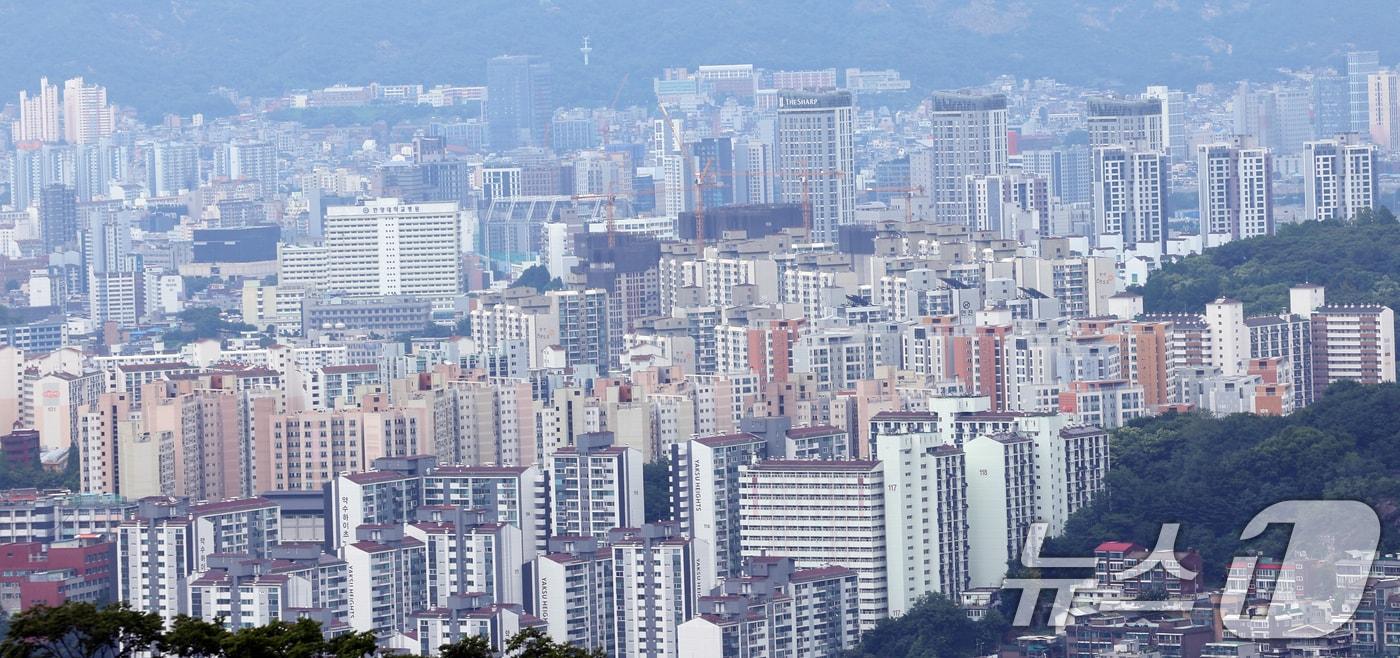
(166, 56)
(1213, 474)
(1357, 261)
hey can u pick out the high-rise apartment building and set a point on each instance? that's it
(155, 558)
(659, 576)
(926, 530)
(1235, 191)
(87, 117)
(776, 611)
(1001, 502)
(596, 487)
(584, 326)
(1339, 177)
(816, 158)
(39, 115)
(468, 551)
(787, 507)
(969, 139)
(1360, 65)
(171, 167)
(387, 247)
(387, 578)
(1353, 342)
(574, 583)
(705, 492)
(1130, 195)
(519, 101)
(254, 161)
(1114, 122)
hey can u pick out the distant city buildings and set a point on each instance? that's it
(741, 373)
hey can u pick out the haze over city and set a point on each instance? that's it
(735, 329)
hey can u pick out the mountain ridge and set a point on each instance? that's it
(176, 52)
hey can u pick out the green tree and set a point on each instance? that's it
(302, 638)
(190, 637)
(934, 628)
(81, 630)
(476, 646)
(533, 643)
(537, 277)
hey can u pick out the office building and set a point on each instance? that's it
(519, 101)
(1339, 177)
(386, 247)
(1383, 100)
(1360, 66)
(1331, 104)
(1173, 120)
(816, 158)
(58, 217)
(714, 167)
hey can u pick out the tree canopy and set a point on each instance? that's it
(1212, 475)
(934, 628)
(537, 277)
(203, 322)
(83, 630)
(1355, 260)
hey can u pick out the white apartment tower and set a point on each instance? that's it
(155, 557)
(1114, 122)
(87, 117)
(816, 158)
(1130, 195)
(820, 513)
(705, 492)
(39, 115)
(1001, 502)
(926, 531)
(574, 592)
(1235, 190)
(658, 579)
(1339, 177)
(596, 486)
(969, 139)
